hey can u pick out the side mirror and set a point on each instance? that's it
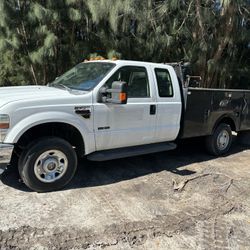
(118, 94)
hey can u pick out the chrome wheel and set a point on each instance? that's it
(223, 140)
(50, 166)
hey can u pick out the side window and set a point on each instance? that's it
(135, 77)
(165, 87)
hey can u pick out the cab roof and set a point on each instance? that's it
(128, 62)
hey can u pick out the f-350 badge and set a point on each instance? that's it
(84, 111)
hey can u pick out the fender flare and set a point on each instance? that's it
(221, 118)
(29, 122)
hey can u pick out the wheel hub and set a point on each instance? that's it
(50, 166)
(223, 140)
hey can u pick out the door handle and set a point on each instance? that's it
(152, 109)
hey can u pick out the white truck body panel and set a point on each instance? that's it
(45, 105)
(24, 93)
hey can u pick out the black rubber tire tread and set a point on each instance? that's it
(211, 141)
(35, 149)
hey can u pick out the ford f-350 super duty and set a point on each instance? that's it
(106, 110)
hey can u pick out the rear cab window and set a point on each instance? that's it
(164, 82)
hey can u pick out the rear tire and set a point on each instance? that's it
(219, 143)
(48, 164)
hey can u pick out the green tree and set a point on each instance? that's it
(39, 40)
(44, 35)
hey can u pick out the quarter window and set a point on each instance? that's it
(165, 87)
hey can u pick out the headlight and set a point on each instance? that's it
(4, 126)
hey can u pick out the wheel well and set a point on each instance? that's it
(227, 120)
(62, 130)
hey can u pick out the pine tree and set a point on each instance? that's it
(39, 40)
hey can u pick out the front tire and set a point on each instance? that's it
(48, 164)
(219, 143)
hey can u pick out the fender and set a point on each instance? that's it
(224, 117)
(45, 117)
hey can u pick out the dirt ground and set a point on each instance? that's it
(182, 199)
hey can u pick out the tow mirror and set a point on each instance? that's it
(118, 94)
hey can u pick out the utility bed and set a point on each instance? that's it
(205, 108)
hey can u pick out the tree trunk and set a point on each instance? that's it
(225, 37)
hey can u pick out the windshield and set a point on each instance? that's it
(84, 76)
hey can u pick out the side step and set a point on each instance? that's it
(118, 153)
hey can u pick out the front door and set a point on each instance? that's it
(123, 125)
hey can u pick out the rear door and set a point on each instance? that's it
(169, 105)
(130, 124)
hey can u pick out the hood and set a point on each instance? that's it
(12, 94)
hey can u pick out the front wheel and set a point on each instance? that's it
(220, 141)
(48, 164)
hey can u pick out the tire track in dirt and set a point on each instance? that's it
(110, 209)
(122, 209)
(133, 233)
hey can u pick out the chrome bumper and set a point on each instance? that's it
(5, 156)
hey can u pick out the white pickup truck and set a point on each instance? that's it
(106, 110)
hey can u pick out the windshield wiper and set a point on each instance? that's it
(60, 85)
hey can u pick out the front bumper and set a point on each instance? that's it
(6, 151)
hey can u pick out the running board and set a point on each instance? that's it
(118, 153)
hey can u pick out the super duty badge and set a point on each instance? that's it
(84, 111)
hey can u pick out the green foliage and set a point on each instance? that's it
(11, 71)
(74, 14)
(40, 40)
(114, 54)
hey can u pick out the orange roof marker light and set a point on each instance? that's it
(99, 58)
(95, 58)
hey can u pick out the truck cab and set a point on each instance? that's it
(152, 111)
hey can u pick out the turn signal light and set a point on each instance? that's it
(4, 121)
(4, 125)
(123, 96)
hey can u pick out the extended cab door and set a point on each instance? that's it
(169, 104)
(124, 125)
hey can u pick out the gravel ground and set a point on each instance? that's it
(182, 199)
